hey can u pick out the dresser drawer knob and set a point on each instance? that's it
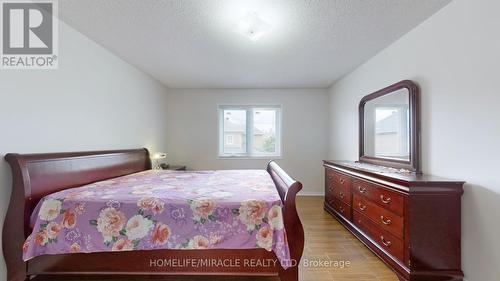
(341, 209)
(342, 181)
(385, 200)
(361, 207)
(386, 243)
(384, 221)
(341, 194)
(362, 189)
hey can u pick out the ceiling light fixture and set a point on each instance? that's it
(252, 26)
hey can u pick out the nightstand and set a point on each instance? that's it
(173, 167)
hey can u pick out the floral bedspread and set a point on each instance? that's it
(157, 209)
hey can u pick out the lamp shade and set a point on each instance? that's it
(159, 155)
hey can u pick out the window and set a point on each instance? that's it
(249, 131)
(392, 134)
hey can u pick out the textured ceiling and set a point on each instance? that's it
(192, 43)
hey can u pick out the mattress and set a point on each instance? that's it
(159, 209)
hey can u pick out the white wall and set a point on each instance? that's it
(193, 139)
(93, 101)
(455, 57)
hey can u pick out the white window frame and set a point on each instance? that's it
(230, 139)
(249, 131)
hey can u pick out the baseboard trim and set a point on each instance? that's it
(310, 194)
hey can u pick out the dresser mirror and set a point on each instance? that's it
(389, 127)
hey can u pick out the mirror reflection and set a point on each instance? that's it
(387, 126)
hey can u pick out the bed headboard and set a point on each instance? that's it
(37, 175)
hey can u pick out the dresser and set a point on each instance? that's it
(410, 221)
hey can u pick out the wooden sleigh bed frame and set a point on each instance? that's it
(37, 175)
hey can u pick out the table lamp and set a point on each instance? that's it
(156, 158)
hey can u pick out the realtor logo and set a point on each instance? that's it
(29, 34)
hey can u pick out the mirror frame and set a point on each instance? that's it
(413, 164)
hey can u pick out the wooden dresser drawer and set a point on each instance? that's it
(329, 198)
(383, 197)
(384, 218)
(342, 180)
(342, 209)
(339, 185)
(338, 178)
(329, 187)
(343, 193)
(329, 177)
(384, 239)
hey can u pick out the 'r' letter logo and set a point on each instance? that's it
(27, 28)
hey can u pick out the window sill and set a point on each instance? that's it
(277, 157)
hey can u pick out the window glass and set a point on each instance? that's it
(235, 131)
(249, 131)
(264, 131)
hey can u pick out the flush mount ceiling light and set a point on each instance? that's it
(252, 26)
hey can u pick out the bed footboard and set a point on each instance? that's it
(288, 189)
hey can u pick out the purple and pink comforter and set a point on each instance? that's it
(156, 209)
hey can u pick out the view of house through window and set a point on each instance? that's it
(249, 131)
(392, 132)
(235, 128)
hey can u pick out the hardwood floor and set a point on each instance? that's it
(327, 241)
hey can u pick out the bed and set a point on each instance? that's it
(49, 191)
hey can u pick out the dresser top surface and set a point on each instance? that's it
(390, 174)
